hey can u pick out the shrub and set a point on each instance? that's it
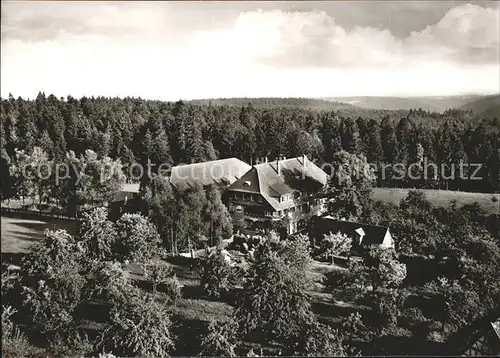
(435, 337)
(172, 288)
(351, 284)
(220, 340)
(72, 344)
(9, 280)
(435, 325)
(317, 339)
(414, 315)
(108, 281)
(390, 272)
(158, 272)
(11, 288)
(14, 342)
(354, 326)
(387, 306)
(163, 279)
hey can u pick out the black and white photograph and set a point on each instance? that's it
(250, 178)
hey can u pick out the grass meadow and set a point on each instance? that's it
(442, 198)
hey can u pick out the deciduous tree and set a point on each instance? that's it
(139, 327)
(137, 238)
(53, 282)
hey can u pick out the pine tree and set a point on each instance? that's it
(160, 153)
(105, 144)
(389, 141)
(405, 135)
(179, 142)
(330, 135)
(195, 147)
(46, 144)
(26, 129)
(210, 152)
(373, 143)
(350, 136)
(362, 125)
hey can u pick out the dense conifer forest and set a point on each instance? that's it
(133, 130)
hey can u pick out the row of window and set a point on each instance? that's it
(256, 197)
(285, 197)
(248, 197)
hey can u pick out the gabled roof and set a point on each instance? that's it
(278, 189)
(373, 235)
(223, 172)
(496, 327)
(248, 183)
(295, 174)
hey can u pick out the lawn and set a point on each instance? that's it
(20, 231)
(441, 197)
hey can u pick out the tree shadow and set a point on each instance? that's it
(12, 258)
(301, 181)
(93, 311)
(396, 345)
(27, 236)
(190, 332)
(193, 292)
(331, 310)
(33, 221)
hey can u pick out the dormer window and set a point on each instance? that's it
(361, 234)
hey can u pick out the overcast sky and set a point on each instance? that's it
(186, 50)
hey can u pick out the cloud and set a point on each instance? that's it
(44, 21)
(466, 34)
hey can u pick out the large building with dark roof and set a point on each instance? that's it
(276, 190)
(267, 191)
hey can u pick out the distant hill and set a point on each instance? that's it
(433, 104)
(488, 106)
(305, 103)
(378, 106)
(341, 108)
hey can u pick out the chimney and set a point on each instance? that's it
(265, 159)
(278, 164)
(304, 158)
